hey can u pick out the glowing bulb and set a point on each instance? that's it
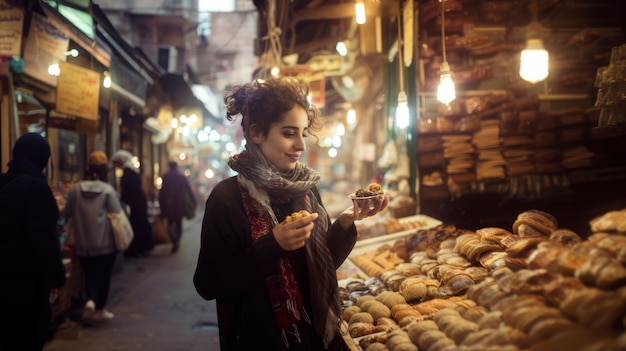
(351, 116)
(332, 152)
(402, 111)
(341, 48)
(445, 91)
(534, 61)
(54, 70)
(341, 129)
(106, 82)
(275, 72)
(359, 9)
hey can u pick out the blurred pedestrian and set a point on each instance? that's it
(30, 250)
(88, 203)
(174, 191)
(132, 195)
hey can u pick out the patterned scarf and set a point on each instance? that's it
(261, 183)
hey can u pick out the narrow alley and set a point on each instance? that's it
(155, 304)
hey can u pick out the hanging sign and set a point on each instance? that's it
(45, 44)
(11, 19)
(78, 89)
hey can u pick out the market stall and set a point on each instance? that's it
(533, 286)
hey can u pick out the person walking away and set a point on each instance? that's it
(273, 276)
(171, 201)
(30, 250)
(132, 195)
(88, 203)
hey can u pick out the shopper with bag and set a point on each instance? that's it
(89, 203)
(176, 200)
(30, 254)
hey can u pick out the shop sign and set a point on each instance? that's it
(329, 64)
(46, 44)
(11, 20)
(78, 89)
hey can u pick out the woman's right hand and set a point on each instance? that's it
(293, 236)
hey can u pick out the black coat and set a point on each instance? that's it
(30, 258)
(132, 195)
(232, 270)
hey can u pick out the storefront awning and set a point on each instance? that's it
(179, 91)
(210, 100)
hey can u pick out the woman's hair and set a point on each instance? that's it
(261, 103)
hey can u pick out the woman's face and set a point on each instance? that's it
(284, 143)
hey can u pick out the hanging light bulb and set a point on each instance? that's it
(534, 58)
(445, 91)
(359, 10)
(402, 111)
(106, 82)
(54, 69)
(341, 48)
(534, 61)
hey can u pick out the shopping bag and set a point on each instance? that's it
(159, 231)
(122, 230)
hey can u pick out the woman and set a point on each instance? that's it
(131, 194)
(274, 282)
(88, 204)
(30, 254)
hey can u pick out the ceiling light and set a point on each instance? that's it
(359, 10)
(341, 48)
(534, 58)
(445, 91)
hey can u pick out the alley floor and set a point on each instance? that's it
(155, 304)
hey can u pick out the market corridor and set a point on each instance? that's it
(155, 304)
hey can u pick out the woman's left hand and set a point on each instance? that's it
(362, 209)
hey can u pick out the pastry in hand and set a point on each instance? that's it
(296, 215)
(372, 190)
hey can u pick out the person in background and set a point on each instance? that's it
(171, 201)
(88, 203)
(274, 280)
(30, 250)
(132, 195)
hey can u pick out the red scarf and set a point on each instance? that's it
(281, 286)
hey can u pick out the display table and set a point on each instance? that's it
(534, 286)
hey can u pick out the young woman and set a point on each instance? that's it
(274, 282)
(88, 203)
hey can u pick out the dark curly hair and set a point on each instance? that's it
(262, 103)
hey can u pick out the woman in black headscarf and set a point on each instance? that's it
(30, 258)
(131, 194)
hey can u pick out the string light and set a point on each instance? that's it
(445, 91)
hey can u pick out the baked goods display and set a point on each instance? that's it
(535, 286)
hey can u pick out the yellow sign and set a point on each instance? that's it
(78, 89)
(11, 19)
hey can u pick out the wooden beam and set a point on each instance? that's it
(332, 12)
